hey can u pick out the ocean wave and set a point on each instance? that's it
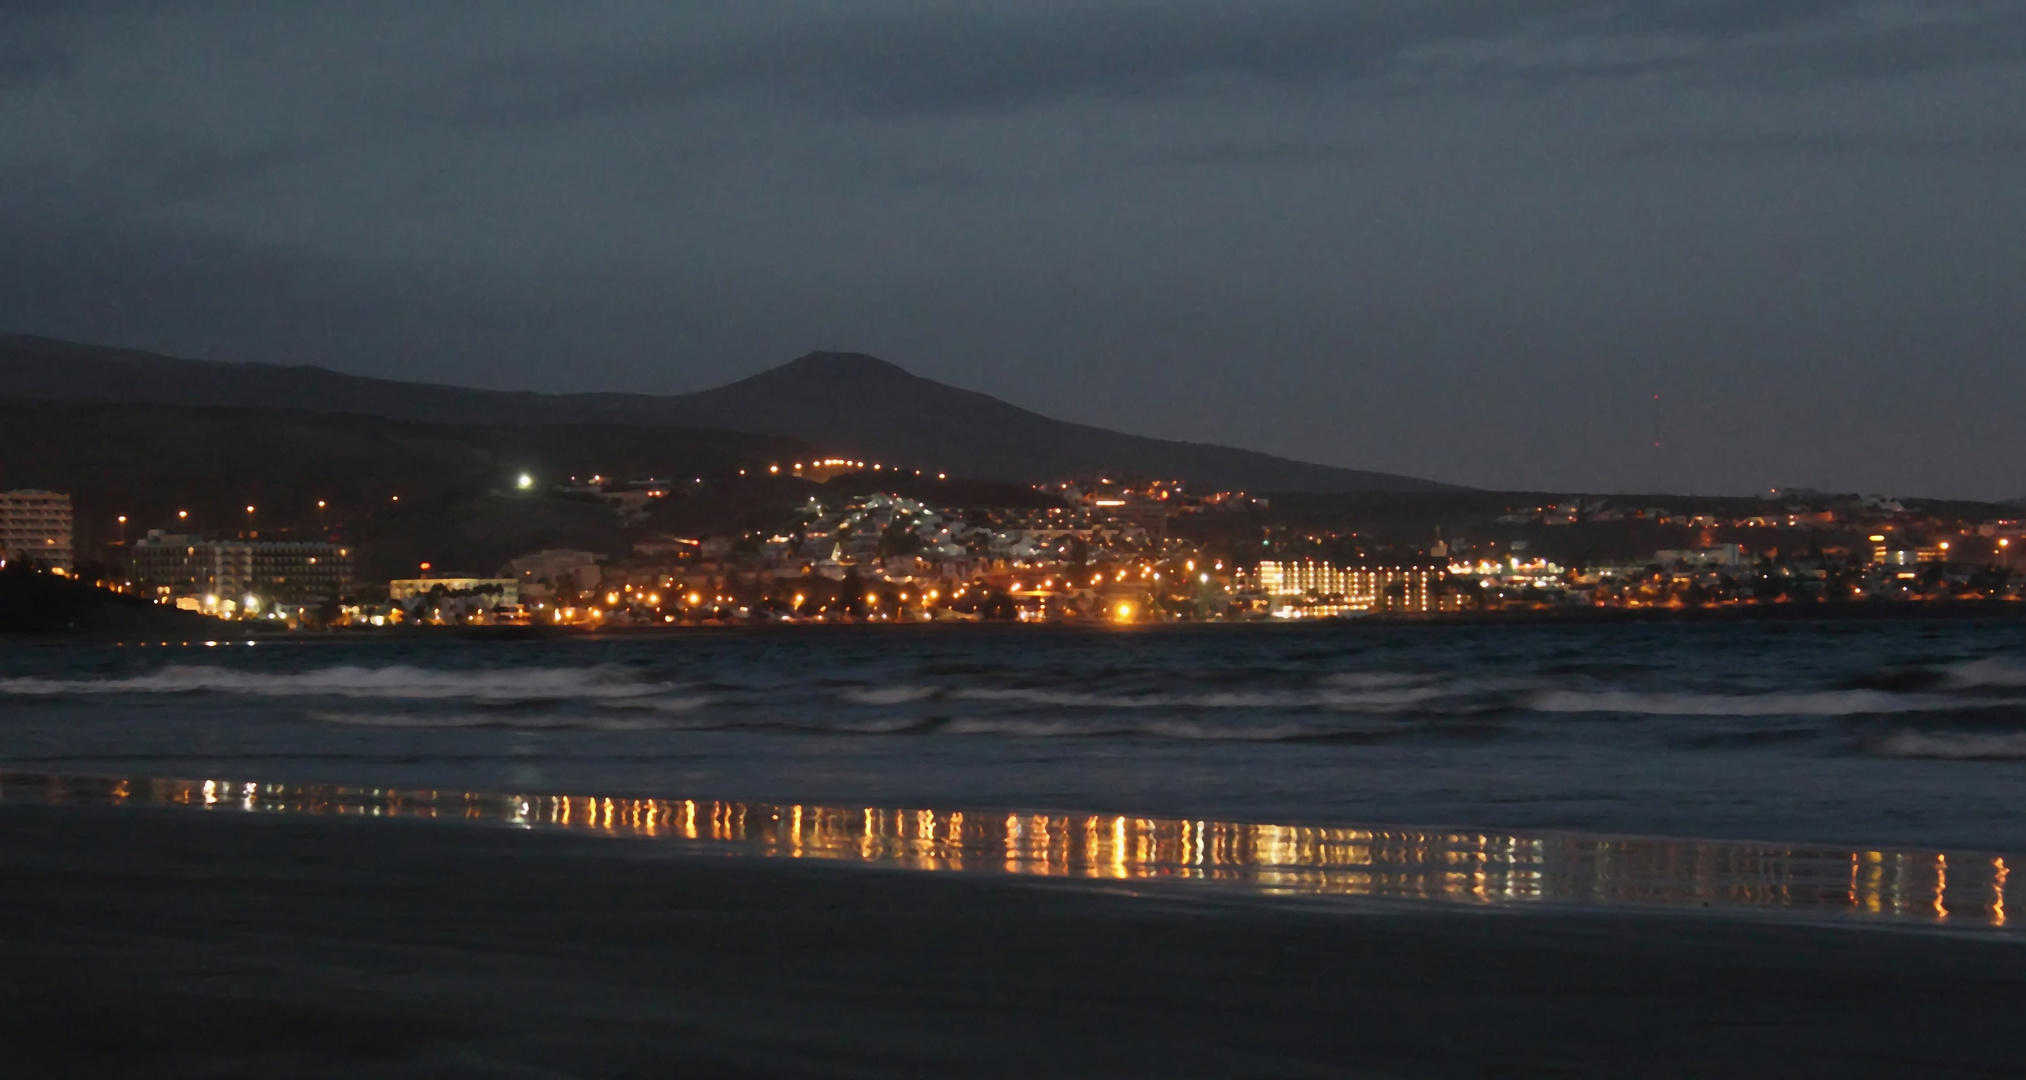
(658, 704)
(428, 721)
(395, 682)
(890, 695)
(1951, 746)
(1792, 703)
(1377, 701)
(1372, 680)
(1185, 730)
(1992, 671)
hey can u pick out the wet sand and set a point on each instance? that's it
(161, 942)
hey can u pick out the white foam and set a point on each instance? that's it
(889, 695)
(444, 721)
(1991, 671)
(1806, 703)
(659, 704)
(1377, 701)
(406, 720)
(1200, 732)
(395, 682)
(1953, 746)
(1023, 727)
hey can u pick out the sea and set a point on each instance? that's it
(1858, 742)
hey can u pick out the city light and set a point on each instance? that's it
(1123, 613)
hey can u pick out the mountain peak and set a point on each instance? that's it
(840, 401)
(842, 365)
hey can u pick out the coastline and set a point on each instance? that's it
(1954, 611)
(319, 947)
(1882, 886)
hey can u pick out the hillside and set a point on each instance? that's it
(844, 403)
(41, 604)
(400, 488)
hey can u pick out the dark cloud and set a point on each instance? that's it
(1458, 238)
(33, 47)
(1252, 152)
(943, 60)
(1848, 145)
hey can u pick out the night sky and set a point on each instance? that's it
(1463, 239)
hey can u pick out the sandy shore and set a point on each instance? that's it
(159, 942)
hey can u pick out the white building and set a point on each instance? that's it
(264, 572)
(501, 590)
(1720, 555)
(1321, 589)
(36, 525)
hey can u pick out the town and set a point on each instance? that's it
(847, 541)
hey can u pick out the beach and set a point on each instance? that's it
(162, 941)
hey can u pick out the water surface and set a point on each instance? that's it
(1864, 735)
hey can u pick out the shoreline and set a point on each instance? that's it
(252, 944)
(1779, 614)
(1545, 871)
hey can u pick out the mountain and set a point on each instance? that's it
(404, 491)
(844, 403)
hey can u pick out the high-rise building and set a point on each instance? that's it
(1309, 588)
(36, 526)
(275, 572)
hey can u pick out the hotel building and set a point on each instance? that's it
(275, 572)
(1309, 589)
(36, 525)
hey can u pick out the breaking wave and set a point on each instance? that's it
(445, 721)
(1013, 727)
(890, 695)
(396, 682)
(1797, 703)
(1987, 672)
(1951, 746)
(1376, 701)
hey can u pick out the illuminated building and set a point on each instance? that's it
(507, 589)
(1718, 555)
(1338, 590)
(277, 572)
(36, 525)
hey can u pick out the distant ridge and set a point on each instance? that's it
(843, 402)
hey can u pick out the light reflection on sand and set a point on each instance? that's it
(1471, 868)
